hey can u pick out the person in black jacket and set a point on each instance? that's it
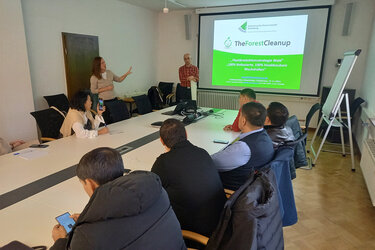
(189, 176)
(124, 212)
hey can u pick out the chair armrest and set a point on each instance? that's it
(47, 139)
(170, 95)
(228, 192)
(127, 99)
(195, 237)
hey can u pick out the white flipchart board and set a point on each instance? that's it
(332, 103)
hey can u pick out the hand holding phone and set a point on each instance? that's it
(101, 104)
(66, 221)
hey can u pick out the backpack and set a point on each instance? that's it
(155, 97)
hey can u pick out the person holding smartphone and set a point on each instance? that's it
(102, 82)
(129, 211)
(80, 120)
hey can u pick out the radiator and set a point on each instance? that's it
(368, 166)
(220, 100)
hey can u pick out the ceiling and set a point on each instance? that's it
(158, 5)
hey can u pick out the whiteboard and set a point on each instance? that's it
(332, 103)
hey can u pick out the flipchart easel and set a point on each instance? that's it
(331, 112)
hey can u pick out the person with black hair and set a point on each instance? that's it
(250, 151)
(246, 95)
(80, 121)
(124, 211)
(277, 115)
(189, 176)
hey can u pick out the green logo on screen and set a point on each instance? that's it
(243, 27)
(228, 43)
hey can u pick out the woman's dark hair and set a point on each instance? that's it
(172, 131)
(101, 165)
(79, 99)
(96, 69)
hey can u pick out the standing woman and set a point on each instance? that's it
(102, 82)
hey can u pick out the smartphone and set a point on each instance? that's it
(39, 146)
(101, 104)
(65, 221)
(221, 141)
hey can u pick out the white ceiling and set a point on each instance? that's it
(158, 5)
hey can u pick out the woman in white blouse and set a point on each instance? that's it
(80, 121)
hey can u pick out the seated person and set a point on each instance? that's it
(250, 151)
(246, 95)
(189, 176)
(124, 212)
(6, 147)
(79, 119)
(277, 115)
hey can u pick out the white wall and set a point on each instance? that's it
(172, 43)
(16, 100)
(368, 87)
(358, 38)
(361, 132)
(127, 36)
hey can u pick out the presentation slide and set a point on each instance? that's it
(259, 52)
(278, 51)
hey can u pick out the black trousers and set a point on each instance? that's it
(185, 93)
(107, 114)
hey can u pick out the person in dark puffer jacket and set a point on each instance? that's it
(124, 212)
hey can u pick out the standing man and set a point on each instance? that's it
(187, 73)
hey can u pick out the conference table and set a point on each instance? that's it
(34, 191)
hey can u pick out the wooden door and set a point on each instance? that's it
(79, 52)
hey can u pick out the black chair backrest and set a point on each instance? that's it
(355, 105)
(311, 113)
(118, 111)
(59, 101)
(143, 104)
(49, 122)
(166, 88)
(178, 93)
(155, 97)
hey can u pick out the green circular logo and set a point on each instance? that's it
(228, 42)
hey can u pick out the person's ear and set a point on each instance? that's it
(162, 142)
(267, 121)
(186, 134)
(89, 185)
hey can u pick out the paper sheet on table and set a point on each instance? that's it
(115, 132)
(31, 153)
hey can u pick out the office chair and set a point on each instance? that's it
(259, 194)
(166, 89)
(118, 111)
(143, 104)
(59, 101)
(49, 122)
